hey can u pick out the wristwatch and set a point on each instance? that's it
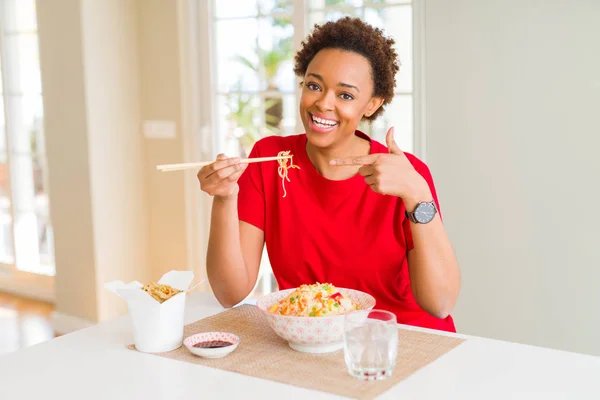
(424, 212)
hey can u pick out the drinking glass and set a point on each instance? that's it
(370, 344)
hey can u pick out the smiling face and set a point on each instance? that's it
(336, 94)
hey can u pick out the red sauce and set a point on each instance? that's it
(213, 344)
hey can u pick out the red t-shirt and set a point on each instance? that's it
(339, 232)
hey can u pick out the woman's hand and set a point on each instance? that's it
(220, 178)
(391, 174)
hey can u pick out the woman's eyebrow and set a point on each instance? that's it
(342, 84)
(348, 86)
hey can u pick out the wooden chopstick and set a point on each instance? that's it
(179, 167)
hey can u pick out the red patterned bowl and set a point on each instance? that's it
(212, 344)
(311, 334)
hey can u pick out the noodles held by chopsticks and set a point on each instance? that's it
(284, 167)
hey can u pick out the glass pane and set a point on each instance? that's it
(236, 8)
(22, 71)
(33, 233)
(397, 23)
(244, 119)
(388, 2)
(274, 56)
(27, 181)
(319, 4)
(1, 83)
(239, 123)
(26, 124)
(27, 241)
(398, 114)
(320, 17)
(2, 127)
(39, 181)
(290, 115)
(275, 6)
(19, 15)
(6, 235)
(32, 230)
(237, 55)
(259, 60)
(45, 232)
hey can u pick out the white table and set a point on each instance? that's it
(94, 364)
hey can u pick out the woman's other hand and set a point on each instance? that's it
(391, 174)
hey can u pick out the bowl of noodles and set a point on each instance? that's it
(311, 317)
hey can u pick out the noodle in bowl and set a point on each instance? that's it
(320, 334)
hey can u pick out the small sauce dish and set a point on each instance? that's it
(212, 344)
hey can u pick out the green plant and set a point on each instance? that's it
(280, 14)
(270, 61)
(243, 113)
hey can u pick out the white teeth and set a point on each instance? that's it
(321, 121)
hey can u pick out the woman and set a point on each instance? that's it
(354, 213)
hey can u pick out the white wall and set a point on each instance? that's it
(65, 129)
(98, 200)
(513, 132)
(160, 83)
(116, 148)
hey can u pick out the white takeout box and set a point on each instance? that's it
(157, 327)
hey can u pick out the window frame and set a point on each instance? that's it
(34, 281)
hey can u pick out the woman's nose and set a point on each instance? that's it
(325, 102)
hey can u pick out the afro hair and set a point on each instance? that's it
(354, 35)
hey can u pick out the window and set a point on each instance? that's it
(395, 18)
(255, 84)
(26, 240)
(255, 87)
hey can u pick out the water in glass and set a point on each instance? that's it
(370, 344)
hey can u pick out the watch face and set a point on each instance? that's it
(425, 212)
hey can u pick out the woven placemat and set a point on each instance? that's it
(265, 355)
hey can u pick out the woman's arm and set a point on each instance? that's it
(433, 268)
(234, 253)
(234, 247)
(432, 264)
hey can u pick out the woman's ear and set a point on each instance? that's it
(373, 106)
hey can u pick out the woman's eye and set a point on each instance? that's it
(346, 96)
(312, 86)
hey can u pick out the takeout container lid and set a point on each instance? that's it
(157, 327)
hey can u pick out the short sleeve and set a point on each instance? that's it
(423, 170)
(251, 198)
